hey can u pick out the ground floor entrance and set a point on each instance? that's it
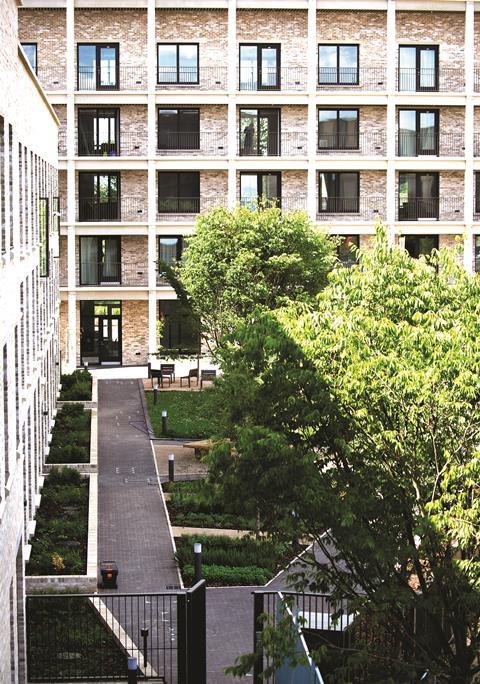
(101, 332)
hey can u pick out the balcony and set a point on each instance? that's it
(364, 208)
(430, 209)
(362, 78)
(52, 78)
(430, 80)
(430, 145)
(193, 144)
(196, 78)
(367, 143)
(131, 144)
(285, 202)
(284, 79)
(184, 208)
(129, 78)
(113, 274)
(285, 144)
(126, 209)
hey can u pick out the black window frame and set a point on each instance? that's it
(338, 80)
(117, 202)
(35, 45)
(418, 87)
(477, 192)
(260, 46)
(117, 148)
(351, 258)
(337, 133)
(277, 146)
(100, 280)
(190, 205)
(178, 81)
(431, 236)
(259, 174)
(180, 244)
(476, 253)
(44, 238)
(407, 214)
(98, 47)
(418, 112)
(339, 203)
(195, 140)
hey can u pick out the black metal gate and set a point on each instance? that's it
(80, 637)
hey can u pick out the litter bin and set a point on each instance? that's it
(109, 573)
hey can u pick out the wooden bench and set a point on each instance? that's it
(200, 447)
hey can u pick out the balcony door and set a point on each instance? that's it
(178, 129)
(417, 132)
(259, 67)
(418, 196)
(418, 67)
(339, 192)
(100, 260)
(99, 196)
(101, 332)
(338, 129)
(260, 132)
(98, 132)
(259, 188)
(97, 67)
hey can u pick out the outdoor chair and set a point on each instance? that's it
(154, 374)
(192, 373)
(168, 369)
(207, 376)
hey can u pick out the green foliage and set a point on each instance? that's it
(76, 386)
(190, 414)
(220, 575)
(62, 525)
(360, 413)
(244, 259)
(71, 436)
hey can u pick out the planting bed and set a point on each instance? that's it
(60, 543)
(76, 386)
(71, 436)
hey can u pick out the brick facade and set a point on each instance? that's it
(368, 29)
(134, 332)
(289, 28)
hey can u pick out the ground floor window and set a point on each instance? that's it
(101, 332)
(420, 245)
(179, 328)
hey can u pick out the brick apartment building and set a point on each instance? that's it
(29, 310)
(343, 108)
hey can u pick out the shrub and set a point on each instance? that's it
(229, 576)
(71, 435)
(226, 551)
(76, 386)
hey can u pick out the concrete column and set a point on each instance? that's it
(469, 132)
(232, 102)
(391, 201)
(312, 109)
(72, 342)
(151, 178)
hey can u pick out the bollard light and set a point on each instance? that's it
(85, 365)
(132, 670)
(155, 393)
(144, 634)
(164, 422)
(171, 467)
(197, 552)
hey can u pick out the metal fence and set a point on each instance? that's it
(352, 78)
(194, 143)
(90, 637)
(196, 78)
(430, 80)
(412, 144)
(442, 208)
(284, 78)
(126, 77)
(363, 208)
(124, 209)
(371, 143)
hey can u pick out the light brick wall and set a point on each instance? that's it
(134, 332)
(47, 28)
(128, 27)
(451, 192)
(63, 261)
(289, 28)
(446, 29)
(213, 184)
(206, 27)
(294, 189)
(63, 330)
(368, 29)
(134, 252)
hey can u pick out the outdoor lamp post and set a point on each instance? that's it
(155, 393)
(171, 467)
(164, 422)
(144, 634)
(132, 671)
(197, 552)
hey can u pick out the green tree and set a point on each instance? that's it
(361, 414)
(244, 259)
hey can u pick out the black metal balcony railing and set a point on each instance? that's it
(432, 208)
(198, 78)
(202, 143)
(101, 274)
(125, 78)
(178, 208)
(285, 202)
(430, 80)
(413, 144)
(124, 209)
(359, 78)
(285, 144)
(285, 79)
(371, 143)
(363, 208)
(52, 78)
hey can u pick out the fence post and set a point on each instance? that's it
(258, 609)
(197, 634)
(182, 638)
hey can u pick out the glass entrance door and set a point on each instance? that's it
(109, 338)
(101, 332)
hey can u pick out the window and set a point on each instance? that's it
(177, 63)
(338, 129)
(477, 192)
(170, 249)
(178, 192)
(30, 50)
(346, 250)
(263, 187)
(2, 187)
(98, 132)
(337, 64)
(178, 129)
(259, 132)
(417, 132)
(97, 67)
(56, 214)
(420, 245)
(418, 67)
(101, 331)
(339, 192)
(44, 246)
(180, 330)
(100, 260)
(99, 196)
(477, 253)
(417, 196)
(259, 67)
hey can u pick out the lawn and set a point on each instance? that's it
(189, 414)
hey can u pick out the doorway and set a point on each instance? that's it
(101, 332)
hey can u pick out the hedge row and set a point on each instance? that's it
(71, 436)
(221, 575)
(76, 386)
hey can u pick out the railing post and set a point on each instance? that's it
(258, 609)
(197, 634)
(182, 638)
